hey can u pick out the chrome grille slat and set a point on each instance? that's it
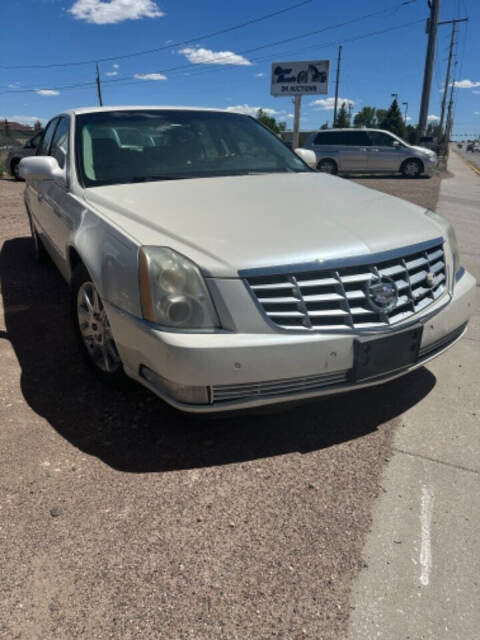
(336, 298)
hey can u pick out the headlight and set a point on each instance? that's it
(173, 292)
(452, 241)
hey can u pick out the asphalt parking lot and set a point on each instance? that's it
(120, 518)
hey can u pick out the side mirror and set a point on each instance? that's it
(41, 168)
(308, 156)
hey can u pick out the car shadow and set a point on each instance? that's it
(134, 431)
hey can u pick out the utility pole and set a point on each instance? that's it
(99, 89)
(297, 101)
(449, 125)
(336, 85)
(406, 111)
(447, 77)
(432, 24)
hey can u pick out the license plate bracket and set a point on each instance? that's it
(374, 357)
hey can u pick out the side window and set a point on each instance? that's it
(60, 142)
(356, 138)
(43, 147)
(329, 137)
(380, 139)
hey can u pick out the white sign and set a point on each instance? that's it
(300, 78)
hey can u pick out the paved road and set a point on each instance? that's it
(473, 158)
(120, 519)
(423, 553)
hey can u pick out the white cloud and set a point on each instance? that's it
(247, 110)
(13, 85)
(290, 115)
(408, 118)
(432, 117)
(28, 120)
(112, 73)
(328, 104)
(114, 11)
(47, 92)
(475, 91)
(476, 113)
(200, 55)
(465, 84)
(259, 75)
(116, 66)
(150, 76)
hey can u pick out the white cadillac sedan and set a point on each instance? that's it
(211, 264)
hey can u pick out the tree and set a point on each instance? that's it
(393, 120)
(343, 120)
(270, 122)
(324, 126)
(37, 126)
(381, 114)
(367, 117)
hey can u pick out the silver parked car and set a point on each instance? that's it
(17, 153)
(369, 151)
(211, 264)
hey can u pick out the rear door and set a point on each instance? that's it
(353, 150)
(382, 154)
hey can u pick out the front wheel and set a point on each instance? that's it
(93, 330)
(327, 166)
(411, 168)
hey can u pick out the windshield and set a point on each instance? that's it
(134, 146)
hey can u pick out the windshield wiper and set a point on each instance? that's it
(152, 178)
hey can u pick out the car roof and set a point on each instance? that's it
(353, 129)
(155, 107)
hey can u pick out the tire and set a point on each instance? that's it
(93, 332)
(39, 252)
(412, 168)
(14, 169)
(327, 165)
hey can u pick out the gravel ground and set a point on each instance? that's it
(120, 518)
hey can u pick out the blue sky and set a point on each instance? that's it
(230, 70)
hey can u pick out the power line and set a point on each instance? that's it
(389, 10)
(179, 68)
(164, 47)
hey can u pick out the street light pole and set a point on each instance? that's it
(406, 111)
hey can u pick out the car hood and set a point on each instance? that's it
(428, 152)
(227, 224)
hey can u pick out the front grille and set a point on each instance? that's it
(271, 388)
(336, 297)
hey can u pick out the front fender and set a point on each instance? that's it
(111, 258)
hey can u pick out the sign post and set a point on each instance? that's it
(297, 101)
(295, 79)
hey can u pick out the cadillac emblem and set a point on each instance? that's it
(430, 279)
(382, 294)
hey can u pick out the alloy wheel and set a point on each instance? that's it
(95, 329)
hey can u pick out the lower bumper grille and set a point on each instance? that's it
(250, 391)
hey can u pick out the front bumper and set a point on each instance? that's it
(245, 370)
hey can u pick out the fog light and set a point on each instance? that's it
(179, 392)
